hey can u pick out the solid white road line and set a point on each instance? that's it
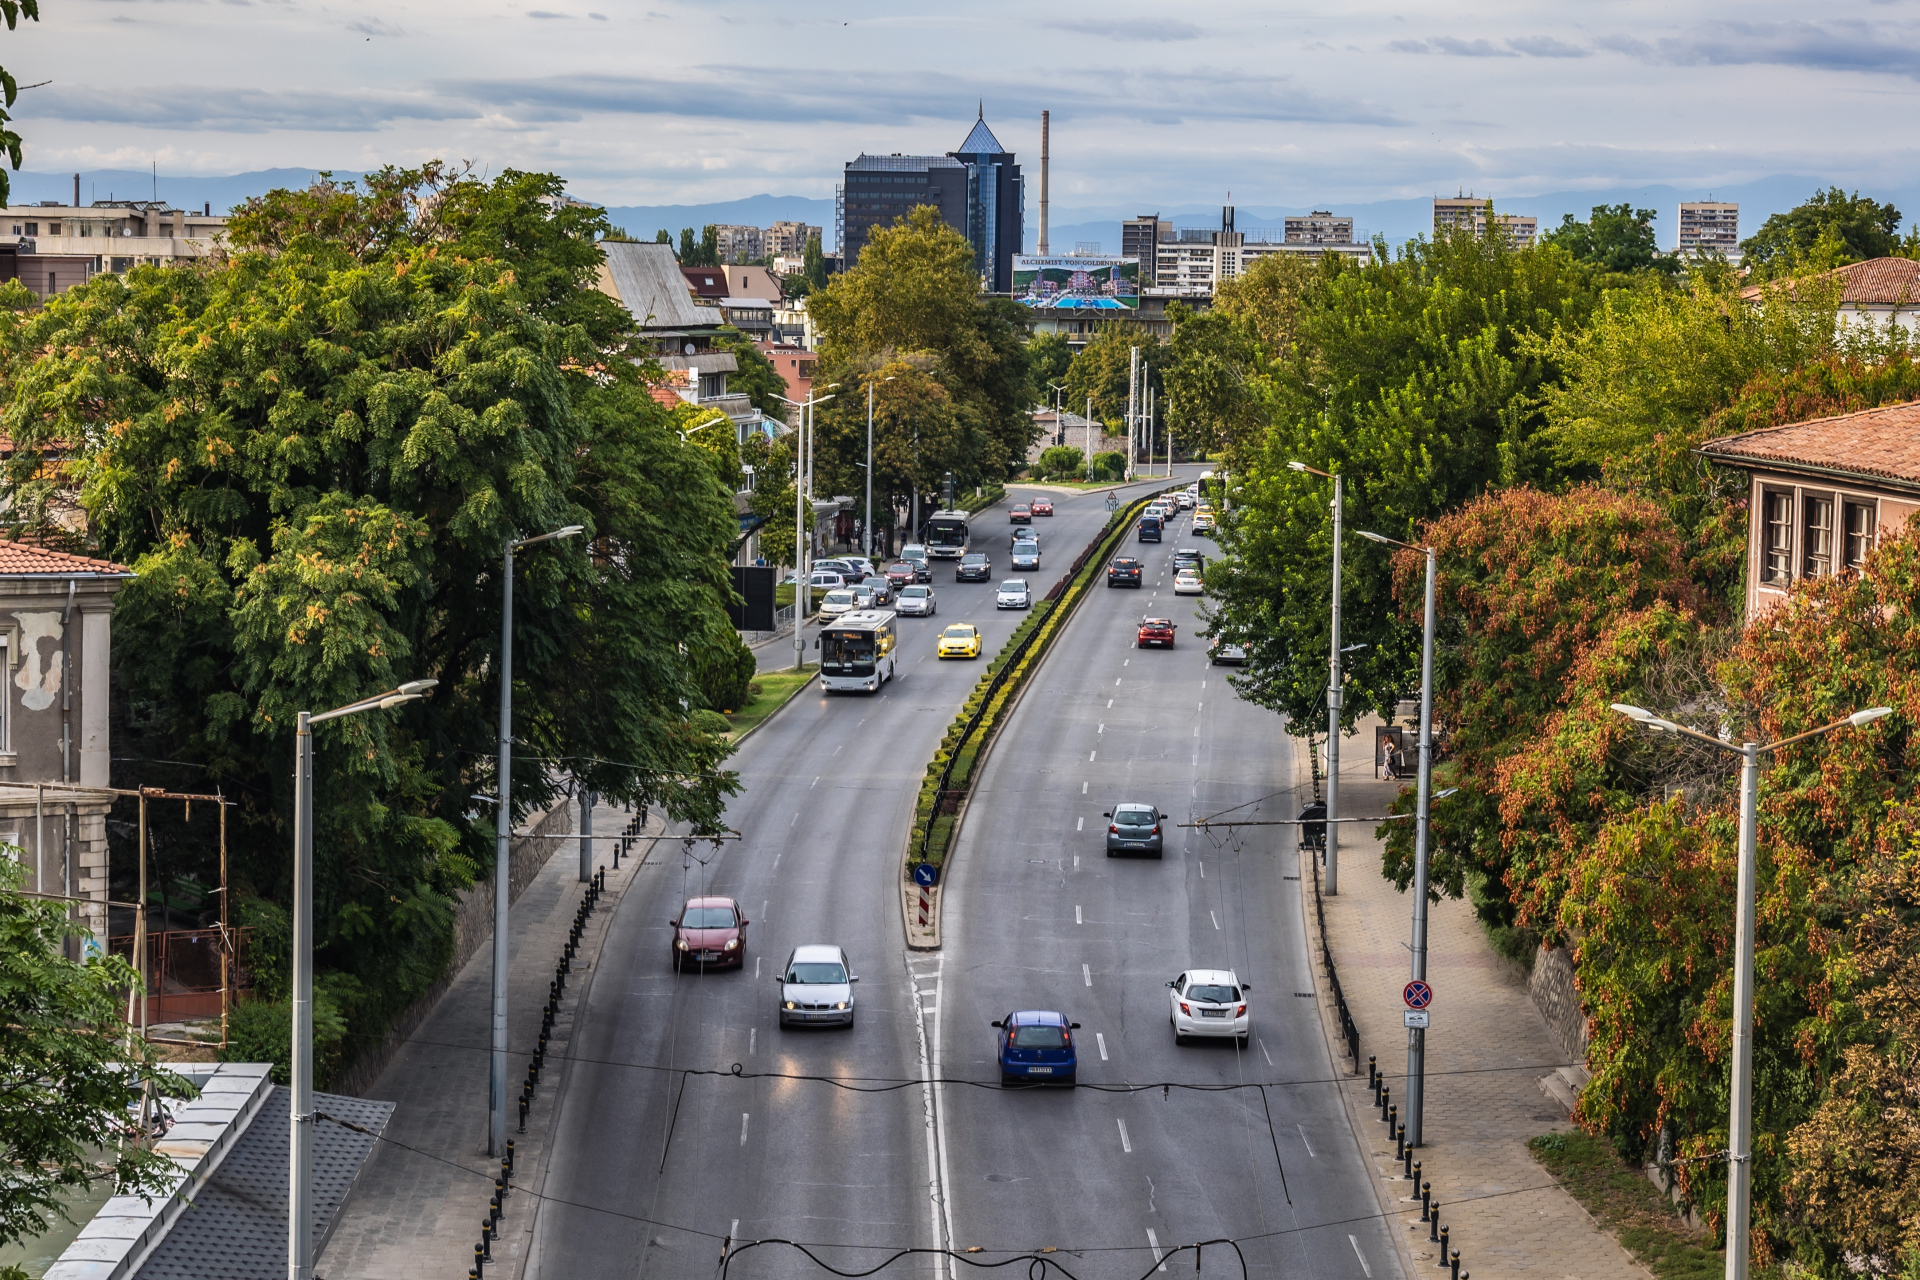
(1363, 1257)
(1215, 919)
(1126, 1143)
(939, 1207)
(1153, 1243)
(1302, 1128)
(1101, 1040)
(1087, 974)
(744, 1117)
(1076, 914)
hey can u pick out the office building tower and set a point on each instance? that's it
(977, 190)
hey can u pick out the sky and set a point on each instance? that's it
(1153, 105)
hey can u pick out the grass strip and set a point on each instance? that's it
(769, 691)
(1621, 1199)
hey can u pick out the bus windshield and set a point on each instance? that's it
(847, 653)
(946, 531)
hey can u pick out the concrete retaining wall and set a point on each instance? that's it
(1559, 1002)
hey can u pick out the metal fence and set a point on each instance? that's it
(184, 976)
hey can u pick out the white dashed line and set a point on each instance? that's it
(1269, 1058)
(1153, 1243)
(1196, 731)
(1101, 729)
(813, 784)
(753, 1033)
(1076, 914)
(1101, 1040)
(1091, 755)
(1215, 919)
(1087, 974)
(1203, 869)
(1110, 700)
(1083, 788)
(1363, 1257)
(1126, 1143)
(1076, 862)
(1080, 824)
(1302, 1128)
(1116, 679)
(743, 1128)
(756, 968)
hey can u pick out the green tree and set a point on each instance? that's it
(662, 236)
(69, 1071)
(1102, 369)
(1049, 355)
(773, 494)
(13, 11)
(814, 265)
(313, 453)
(689, 254)
(755, 378)
(920, 433)
(709, 247)
(1862, 227)
(1063, 461)
(1617, 238)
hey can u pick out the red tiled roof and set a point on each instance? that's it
(19, 560)
(1881, 443)
(1877, 282)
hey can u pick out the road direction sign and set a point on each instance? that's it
(926, 875)
(1417, 994)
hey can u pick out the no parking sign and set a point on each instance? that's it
(1417, 994)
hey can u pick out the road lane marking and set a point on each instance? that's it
(1076, 862)
(1153, 1243)
(1363, 1257)
(1203, 876)
(1101, 1040)
(734, 1230)
(1196, 731)
(814, 783)
(1123, 662)
(1110, 700)
(1116, 679)
(1102, 728)
(753, 1032)
(743, 1128)
(1302, 1128)
(1087, 974)
(1200, 706)
(1076, 914)
(776, 862)
(1083, 788)
(1216, 919)
(796, 816)
(1091, 755)
(756, 968)
(1203, 684)
(1126, 1143)
(1080, 824)
(1269, 1058)
(938, 1207)
(842, 747)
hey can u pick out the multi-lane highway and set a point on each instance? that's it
(892, 1162)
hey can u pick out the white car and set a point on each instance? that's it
(816, 987)
(1184, 500)
(1013, 595)
(827, 578)
(1222, 654)
(1203, 520)
(915, 602)
(1208, 1002)
(835, 603)
(1187, 583)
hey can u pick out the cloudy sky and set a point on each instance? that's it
(666, 102)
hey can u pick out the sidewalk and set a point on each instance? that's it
(1486, 1051)
(417, 1212)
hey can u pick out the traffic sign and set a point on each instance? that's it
(1417, 994)
(926, 875)
(1416, 1017)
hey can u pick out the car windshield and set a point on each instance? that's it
(1039, 1037)
(1208, 993)
(707, 918)
(973, 558)
(958, 633)
(822, 974)
(839, 597)
(915, 593)
(1133, 817)
(1026, 551)
(1013, 584)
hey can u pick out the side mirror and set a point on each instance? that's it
(1107, 814)
(777, 978)
(816, 642)
(674, 923)
(854, 978)
(745, 923)
(1246, 986)
(1073, 1026)
(997, 1023)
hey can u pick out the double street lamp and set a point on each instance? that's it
(869, 537)
(300, 1132)
(802, 487)
(1334, 685)
(1740, 1111)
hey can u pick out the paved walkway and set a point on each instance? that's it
(1486, 1051)
(417, 1210)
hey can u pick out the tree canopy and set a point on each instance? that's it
(1617, 237)
(1859, 227)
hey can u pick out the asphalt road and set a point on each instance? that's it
(829, 785)
(1038, 917)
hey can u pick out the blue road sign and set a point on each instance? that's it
(1417, 994)
(926, 875)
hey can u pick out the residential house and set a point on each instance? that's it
(753, 282)
(795, 366)
(709, 284)
(1879, 291)
(1823, 493)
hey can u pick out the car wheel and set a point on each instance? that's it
(1158, 855)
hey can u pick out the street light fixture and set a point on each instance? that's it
(300, 1130)
(1334, 688)
(802, 490)
(503, 834)
(1740, 1111)
(1417, 1036)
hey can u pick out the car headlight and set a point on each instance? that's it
(789, 1004)
(732, 943)
(680, 943)
(841, 1005)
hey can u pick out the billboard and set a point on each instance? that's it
(1077, 284)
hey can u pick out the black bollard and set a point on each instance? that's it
(523, 1112)
(1433, 1222)
(1385, 1093)
(1408, 1163)
(1456, 1264)
(509, 1155)
(1400, 1142)
(1426, 1194)
(486, 1239)
(1443, 1245)
(479, 1262)
(1373, 1076)
(500, 1190)
(1393, 1119)
(493, 1209)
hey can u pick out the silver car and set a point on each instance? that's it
(915, 602)
(816, 987)
(1026, 557)
(1013, 595)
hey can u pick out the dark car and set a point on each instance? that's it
(882, 589)
(1123, 571)
(973, 567)
(1149, 528)
(1134, 828)
(1156, 633)
(1042, 506)
(1188, 558)
(901, 574)
(710, 933)
(1021, 514)
(854, 569)
(1036, 1045)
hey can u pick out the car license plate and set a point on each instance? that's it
(1213, 1013)
(1039, 1071)
(706, 955)
(1134, 844)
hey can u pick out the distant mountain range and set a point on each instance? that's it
(1397, 220)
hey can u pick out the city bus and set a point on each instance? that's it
(946, 535)
(856, 651)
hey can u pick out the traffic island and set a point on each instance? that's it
(769, 691)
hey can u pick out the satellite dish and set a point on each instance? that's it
(689, 348)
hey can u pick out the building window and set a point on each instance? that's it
(33, 228)
(1819, 562)
(1779, 546)
(1861, 523)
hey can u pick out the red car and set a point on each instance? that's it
(1021, 514)
(1156, 631)
(709, 933)
(900, 575)
(1042, 507)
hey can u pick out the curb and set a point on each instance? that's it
(795, 692)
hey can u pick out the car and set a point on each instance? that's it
(1222, 654)
(1187, 583)
(1156, 633)
(1185, 500)
(835, 603)
(960, 640)
(882, 589)
(1149, 528)
(916, 555)
(1013, 595)
(1041, 506)
(710, 933)
(1036, 1045)
(1020, 513)
(816, 987)
(916, 602)
(1159, 509)
(826, 578)
(901, 572)
(1123, 571)
(1188, 558)
(1026, 557)
(863, 595)
(973, 567)
(1134, 828)
(854, 571)
(1210, 1003)
(1203, 519)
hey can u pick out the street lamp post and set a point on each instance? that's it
(1417, 1036)
(300, 1130)
(1090, 439)
(1740, 1110)
(1334, 689)
(502, 839)
(802, 486)
(870, 465)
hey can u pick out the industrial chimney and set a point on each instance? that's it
(1043, 181)
(76, 191)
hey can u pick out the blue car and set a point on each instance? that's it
(1037, 1046)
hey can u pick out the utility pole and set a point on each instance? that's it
(586, 835)
(1133, 406)
(1090, 439)
(802, 491)
(1334, 698)
(869, 538)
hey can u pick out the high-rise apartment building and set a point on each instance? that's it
(740, 244)
(977, 190)
(1319, 227)
(1470, 213)
(789, 239)
(1141, 238)
(1709, 226)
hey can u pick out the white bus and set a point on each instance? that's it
(856, 651)
(946, 535)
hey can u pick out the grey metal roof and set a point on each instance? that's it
(236, 1228)
(905, 163)
(646, 278)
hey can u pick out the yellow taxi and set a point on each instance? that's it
(1203, 519)
(961, 640)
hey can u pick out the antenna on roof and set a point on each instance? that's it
(983, 108)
